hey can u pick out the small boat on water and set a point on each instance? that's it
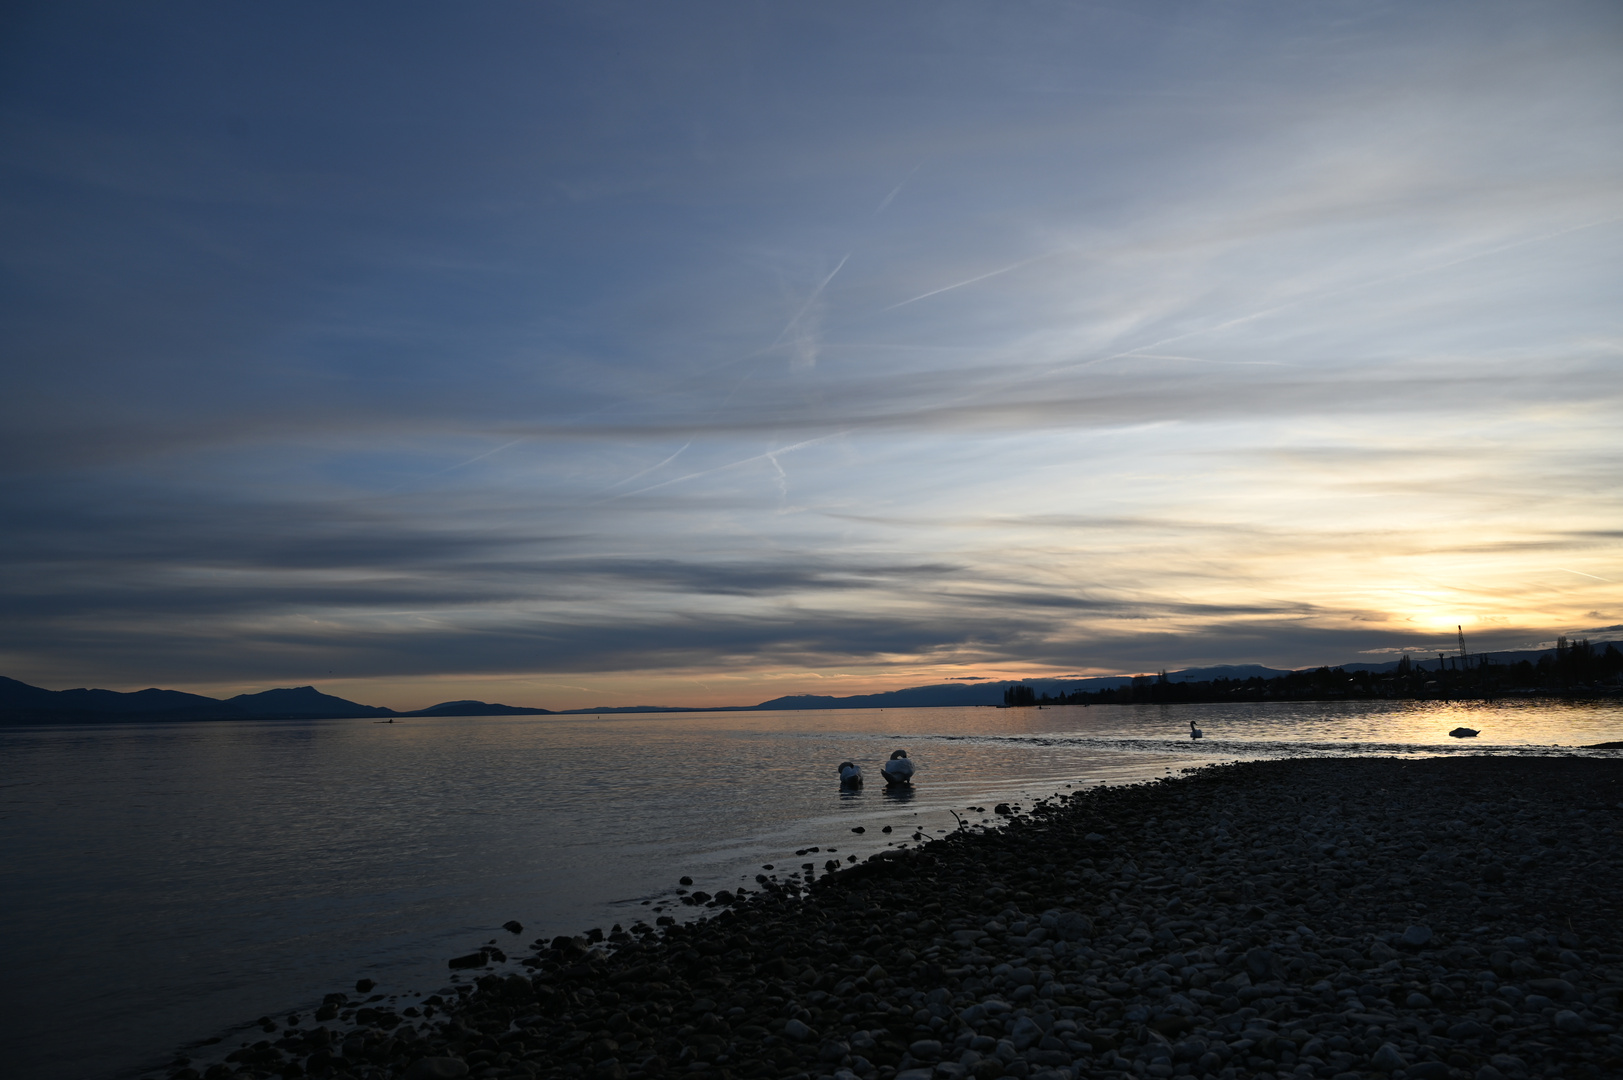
(850, 775)
(1464, 733)
(898, 771)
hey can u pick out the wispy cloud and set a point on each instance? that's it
(1178, 337)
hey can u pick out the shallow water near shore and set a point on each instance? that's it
(170, 882)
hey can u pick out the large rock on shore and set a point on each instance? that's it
(1310, 918)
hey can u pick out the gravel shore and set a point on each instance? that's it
(1417, 920)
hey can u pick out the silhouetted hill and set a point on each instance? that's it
(1227, 671)
(19, 695)
(603, 709)
(20, 701)
(475, 708)
(302, 703)
(911, 697)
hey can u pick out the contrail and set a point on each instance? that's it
(651, 468)
(1580, 573)
(896, 190)
(770, 455)
(480, 457)
(790, 325)
(782, 479)
(971, 281)
(464, 464)
(1203, 360)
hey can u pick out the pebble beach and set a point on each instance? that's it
(1422, 919)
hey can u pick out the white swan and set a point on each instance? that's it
(898, 771)
(850, 775)
(1195, 732)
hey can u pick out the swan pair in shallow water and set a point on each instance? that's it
(898, 772)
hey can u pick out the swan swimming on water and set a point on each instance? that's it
(1195, 732)
(898, 771)
(850, 775)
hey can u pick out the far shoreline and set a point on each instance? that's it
(15, 720)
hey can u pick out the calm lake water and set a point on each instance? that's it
(169, 882)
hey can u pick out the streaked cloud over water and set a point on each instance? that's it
(701, 354)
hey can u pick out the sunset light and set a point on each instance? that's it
(783, 540)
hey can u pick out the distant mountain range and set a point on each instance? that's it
(21, 703)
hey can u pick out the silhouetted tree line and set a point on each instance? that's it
(1572, 668)
(1021, 695)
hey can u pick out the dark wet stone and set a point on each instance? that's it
(1416, 937)
(1388, 1058)
(364, 986)
(1261, 964)
(1556, 989)
(513, 926)
(436, 1068)
(1570, 1023)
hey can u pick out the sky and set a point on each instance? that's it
(606, 354)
